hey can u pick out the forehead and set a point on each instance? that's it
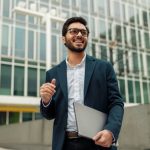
(76, 25)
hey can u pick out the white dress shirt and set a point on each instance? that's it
(75, 82)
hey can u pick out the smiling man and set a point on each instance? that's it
(86, 80)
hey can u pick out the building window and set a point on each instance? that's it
(122, 88)
(6, 8)
(63, 51)
(117, 13)
(130, 91)
(38, 116)
(138, 91)
(32, 82)
(103, 52)
(42, 76)
(20, 17)
(20, 42)
(125, 35)
(74, 3)
(145, 19)
(26, 116)
(19, 81)
(124, 12)
(65, 3)
(133, 38)
(138, 16)
(13, 117)
(102, 29)
(92, 10)
(110, 31)
(31, 45)
(5, 39)
(94, 49)
(42, 47)
(100, 7)
(85, 4)
(139, 38)
(108, 3)
(147, 40)
(148, 64)
(54, 49)
(5, 78)
(135, 63)
(120, 61)
(146, 93)
(131, 14)
(92, 27)
(2, 118)
(118, 36)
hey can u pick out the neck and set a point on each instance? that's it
(75, 58)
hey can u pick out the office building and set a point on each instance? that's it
(119, 33)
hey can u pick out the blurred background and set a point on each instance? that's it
(30, 44)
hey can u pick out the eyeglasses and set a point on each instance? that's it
(75, 32)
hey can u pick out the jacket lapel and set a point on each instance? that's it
(89, 68)
(62, 75)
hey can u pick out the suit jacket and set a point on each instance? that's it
(100, 92)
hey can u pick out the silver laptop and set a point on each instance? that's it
(89, 121)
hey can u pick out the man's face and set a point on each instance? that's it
(76, 37)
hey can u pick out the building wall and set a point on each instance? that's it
(135, 133)
(119, 33)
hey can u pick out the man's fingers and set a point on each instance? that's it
(103, 138)
(47, 90)
(97, 136)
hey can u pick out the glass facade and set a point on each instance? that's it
(119, 33)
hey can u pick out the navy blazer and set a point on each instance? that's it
(101, 92)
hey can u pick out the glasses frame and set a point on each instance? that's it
(75, 32)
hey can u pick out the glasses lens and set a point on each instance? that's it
(75, 31)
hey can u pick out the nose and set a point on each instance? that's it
(79, 33)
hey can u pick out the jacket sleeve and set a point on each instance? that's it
(116, 105)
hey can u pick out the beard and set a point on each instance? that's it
(69, 45)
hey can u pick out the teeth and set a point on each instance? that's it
(78, 41)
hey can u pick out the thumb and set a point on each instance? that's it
(53, 81)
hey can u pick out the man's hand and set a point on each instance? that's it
(103, 138)
(47, 90)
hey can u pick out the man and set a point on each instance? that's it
(86, 80)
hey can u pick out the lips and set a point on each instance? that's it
(77, 42)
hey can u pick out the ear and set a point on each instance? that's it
(63, 39)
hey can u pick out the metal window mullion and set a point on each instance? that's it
(13, 55)
(26, 60)
(26, 80)
(38, 80)
(126, 89)
(145, 64)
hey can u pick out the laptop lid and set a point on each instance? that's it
(89, 121)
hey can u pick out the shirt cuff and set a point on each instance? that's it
(46, 104)
(113, 137)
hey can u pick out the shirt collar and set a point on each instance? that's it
(81, 63)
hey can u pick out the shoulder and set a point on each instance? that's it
(98, 61)
(54, 69)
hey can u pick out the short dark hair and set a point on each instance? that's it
(72, 20)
